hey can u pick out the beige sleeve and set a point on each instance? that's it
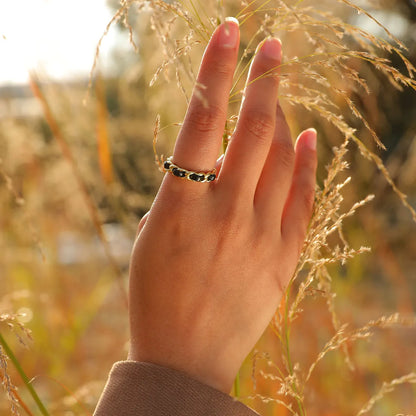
(144, 389)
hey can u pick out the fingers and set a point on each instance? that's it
(199, 141)
(298, 208)
(276, 177)
(250, 144)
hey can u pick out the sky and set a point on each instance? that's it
(57, 38)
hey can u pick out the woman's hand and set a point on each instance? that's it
(212, 259)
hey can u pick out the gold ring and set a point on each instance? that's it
(175, 170)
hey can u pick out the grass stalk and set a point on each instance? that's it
(286, 349)
(237, 385)
(23, 375)
(67, 153)
(16, 396)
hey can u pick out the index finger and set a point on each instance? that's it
(200, 138)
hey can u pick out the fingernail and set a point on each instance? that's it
(310, 139)
(229, 33)
(272, 48)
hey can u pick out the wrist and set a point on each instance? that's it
(204, 370)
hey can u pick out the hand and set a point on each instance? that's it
(212, 259)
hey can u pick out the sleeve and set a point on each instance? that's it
(144, 389)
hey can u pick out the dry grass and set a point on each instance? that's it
(336, 346)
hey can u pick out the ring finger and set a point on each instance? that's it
(199, 141)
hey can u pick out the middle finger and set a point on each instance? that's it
(250, 144)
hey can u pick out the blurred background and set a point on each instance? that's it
(77, 173)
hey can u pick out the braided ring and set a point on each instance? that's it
(175, 170)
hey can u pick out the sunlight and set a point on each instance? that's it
(56, 38)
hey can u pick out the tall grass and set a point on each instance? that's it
(336, 345)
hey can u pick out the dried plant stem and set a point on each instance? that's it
(22, 403)
(118, 16)
(66, 151)
(23, 375)
(265, 399)
(387, 387)
(252, 13)
(379, 163)
(286, 349)
(237, 385)
(70, 393)
(342, 336)
(17, 398)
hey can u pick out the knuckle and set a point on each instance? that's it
(232, 217)
(205, 118)
(259, 124)
(221, 67)
(267, 76)
(295, 237)
(308, 199)
(230, 220)
(300, 241)
(309, 161)
(227, 235)
(285, 153)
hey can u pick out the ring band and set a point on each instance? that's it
(175, 170)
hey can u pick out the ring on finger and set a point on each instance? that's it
(179, 172)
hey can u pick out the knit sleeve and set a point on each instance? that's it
(144, 389)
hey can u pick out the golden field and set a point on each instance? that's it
(77, 173)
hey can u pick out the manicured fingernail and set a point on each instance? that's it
(272, 48)
(310, 139)
(229, 31)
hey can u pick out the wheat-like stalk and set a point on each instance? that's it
(7, 383)
(11, 322)
(386, 388)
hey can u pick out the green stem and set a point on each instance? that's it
(287, 349)
(237, 385)
(23, 375)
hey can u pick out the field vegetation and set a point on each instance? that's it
(77, 175)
